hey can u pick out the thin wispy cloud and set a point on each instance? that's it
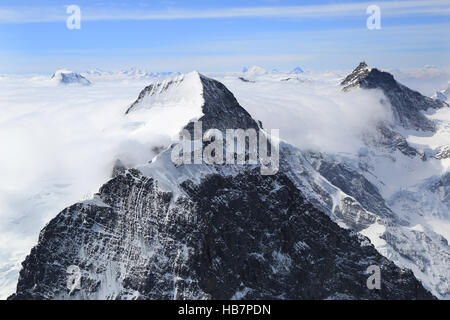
(391, 9)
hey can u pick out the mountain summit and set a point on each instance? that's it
(356, 77)
(64, 76)
(297, 70)
(256, 71)
(442, 95)
(209, 101)
(407, 105)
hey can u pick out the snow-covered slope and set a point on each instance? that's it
(255, 71)
(297, 70)
(66, 77)
(183, 92)
(442, 95)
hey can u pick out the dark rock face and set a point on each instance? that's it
(406, 104)
(245, 80)
(247, 236)
(221, 109)
(280, 239)
(354, 79)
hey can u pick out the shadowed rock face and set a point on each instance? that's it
(232, 233)
(221, 109)
(354, 79)
(247, 234)
(406, 103)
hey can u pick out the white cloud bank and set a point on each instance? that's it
(313, 114)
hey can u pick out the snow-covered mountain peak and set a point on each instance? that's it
(407, 105)
(442, 95)
(65, 76)
(439, 95)
(354, 78)
(196, 97)
(256, 71)
(184, 90)
(297, 70)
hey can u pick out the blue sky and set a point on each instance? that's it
(223, 35)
